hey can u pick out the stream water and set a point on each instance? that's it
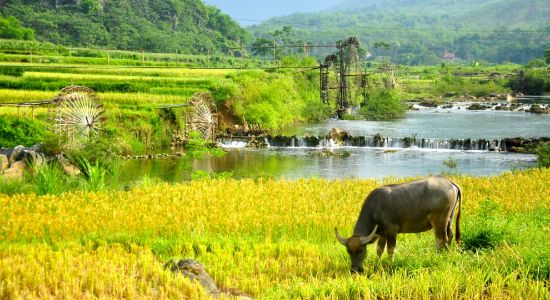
(435, 126)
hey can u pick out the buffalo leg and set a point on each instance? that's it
(380, 247)
(391, 240)
(450, 231)
(450, 227)
(441, 235)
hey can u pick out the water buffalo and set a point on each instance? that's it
(411, 207)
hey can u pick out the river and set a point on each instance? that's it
(371, 162)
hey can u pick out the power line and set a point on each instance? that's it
(400, 28)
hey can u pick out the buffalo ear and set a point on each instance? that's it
(339, 237)
(366, 240)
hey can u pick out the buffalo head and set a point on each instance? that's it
(357, 248)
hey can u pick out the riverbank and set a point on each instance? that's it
(245, 98)
(275, 240)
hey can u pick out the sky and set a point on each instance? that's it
(260, 10)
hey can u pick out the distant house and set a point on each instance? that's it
(450, 56)
(368, 55)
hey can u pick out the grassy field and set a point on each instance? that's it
(271, 99)
(132, 96)
(273, 239)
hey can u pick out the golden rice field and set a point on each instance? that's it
(272, 239)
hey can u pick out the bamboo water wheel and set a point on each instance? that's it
(343, 81)
(201, 116)
(77, 114)
(352, 74)
(392, 78)
(330, 78)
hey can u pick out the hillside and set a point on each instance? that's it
(189, 26)
(419, 32)
(453, 13)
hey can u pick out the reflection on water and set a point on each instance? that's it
(301, 163)
(371, 162)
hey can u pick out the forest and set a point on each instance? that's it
(403, 32)
(189, 26)
(420, 32)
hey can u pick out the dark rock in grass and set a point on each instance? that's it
(16, 170)
(33, 158)
(67, 167)
(14, 153)
(37, 148)
(4, 162)
(195, 271)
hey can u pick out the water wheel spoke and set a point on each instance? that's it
(77, 114)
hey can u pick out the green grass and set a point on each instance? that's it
(273, 239)
(271, 99)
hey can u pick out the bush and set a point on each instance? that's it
(383, 105)
(271, 100)
(49, 179)
(534, 82)
(17, 131)
(543, 156)
(11, 28)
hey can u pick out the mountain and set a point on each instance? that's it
(189, 26)
(249, 12)
(419, 31)
(428, 7)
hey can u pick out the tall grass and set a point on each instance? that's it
(273, 239)
(50, 180)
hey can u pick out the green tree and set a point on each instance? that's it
(543, 153)
(89, 6)
(383, 105)
(11, 28)
(261, 47)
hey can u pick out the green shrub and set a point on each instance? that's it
(271, 100)
(383, 105)
(11, 28)
(534, 82)
(18, 131)
(543, 156)
(50, 180)
(95, 174)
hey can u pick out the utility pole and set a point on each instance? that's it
(305, 50)
(177, 60)
(274, 50)
(242, 56)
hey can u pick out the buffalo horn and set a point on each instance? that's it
(366, 240)
(339, 237)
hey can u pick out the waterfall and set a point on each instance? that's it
(387, 142)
